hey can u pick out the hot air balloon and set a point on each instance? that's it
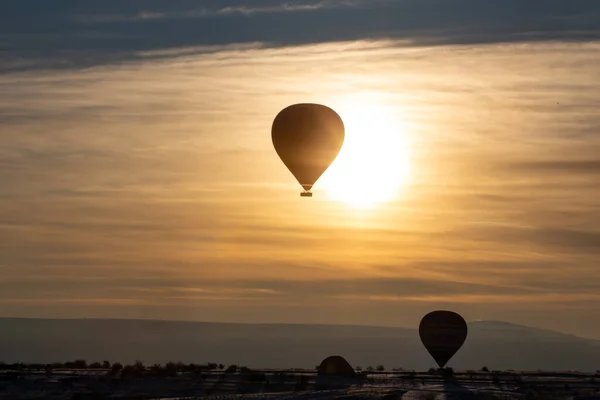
(307, 137)
(335, 372)
(336, 366)
(443, 334)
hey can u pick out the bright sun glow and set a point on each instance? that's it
(374, 161)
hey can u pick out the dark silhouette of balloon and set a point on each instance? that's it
(307, 138)
(442, 333)
(336, 366)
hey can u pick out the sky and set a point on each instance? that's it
(139, 179)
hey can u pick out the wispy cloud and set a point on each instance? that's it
(241, 9)
(506, 300)
(61, 36)
(155, 181)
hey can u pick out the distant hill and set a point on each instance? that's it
(497, 345)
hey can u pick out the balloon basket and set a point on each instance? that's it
(306, 193)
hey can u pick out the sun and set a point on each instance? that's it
(373, 163)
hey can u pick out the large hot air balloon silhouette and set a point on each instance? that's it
(307, 138)
(443, 334)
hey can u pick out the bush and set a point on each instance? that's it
(139, 367)
(232, 369)
(129, 371)
(170, 369)
(156, 369)
(191, 367)
(115, 369)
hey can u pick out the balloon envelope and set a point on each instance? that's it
(307, 137)
(443, 334)
(337, 366)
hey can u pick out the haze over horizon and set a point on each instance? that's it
(496, 345)
(139, 179)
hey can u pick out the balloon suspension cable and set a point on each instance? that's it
(306, 193)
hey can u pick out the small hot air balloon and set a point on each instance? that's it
(443, 334)
(307, 138)
(336, 366)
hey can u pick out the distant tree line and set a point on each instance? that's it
(174, 369)
(107, 365)
(123, 371)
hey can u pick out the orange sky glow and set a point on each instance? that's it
(151, 189)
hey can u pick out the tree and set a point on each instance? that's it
(139, 367)
(115, 369)
(106, 364)
(156, 369)
(232, 369)
(358, 368)
(485, 369)
(221, 366)
(212, 366)
(80, 364)
(370, 368)
(191, 368)
(129, 371)
(170, 369)
(380, 368)
(95, 365)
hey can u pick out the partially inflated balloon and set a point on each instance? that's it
(307, 138)
(335, 365)
(443, 334)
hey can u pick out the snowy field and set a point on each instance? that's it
(288, 385)
(427, 392)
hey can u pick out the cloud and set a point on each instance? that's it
(207, 12)
(71, 301)
(546, 298)
(175, 292)
(155, 181)
(540, 238)
(560, 167)
(62, 36)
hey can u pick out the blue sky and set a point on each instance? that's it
(39, 34)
